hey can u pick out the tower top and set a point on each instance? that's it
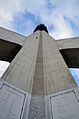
(41, 27)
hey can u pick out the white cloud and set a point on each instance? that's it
(8, 8)
(69, 9)
(75, 73)
(29, 26)
(60, 8)
(3, 66)
(62, 29)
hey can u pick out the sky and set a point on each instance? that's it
(22, 16)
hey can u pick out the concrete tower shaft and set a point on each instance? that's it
(39, 68)
(38, 83)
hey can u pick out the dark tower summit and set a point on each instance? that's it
(41, 27)
(38, 83)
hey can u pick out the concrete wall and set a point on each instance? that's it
(11, 36)
(68, 43)
(21, 71)
(57, 76)
(39, 68)
(69, 48)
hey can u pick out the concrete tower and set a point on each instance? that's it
(38, 83)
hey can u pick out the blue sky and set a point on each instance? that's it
(60, 16)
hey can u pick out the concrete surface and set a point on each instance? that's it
(39, 70)
(69, 48)
(11, 36)
(68, 43)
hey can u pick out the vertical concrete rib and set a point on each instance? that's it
(38, 81)
(37, 104)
